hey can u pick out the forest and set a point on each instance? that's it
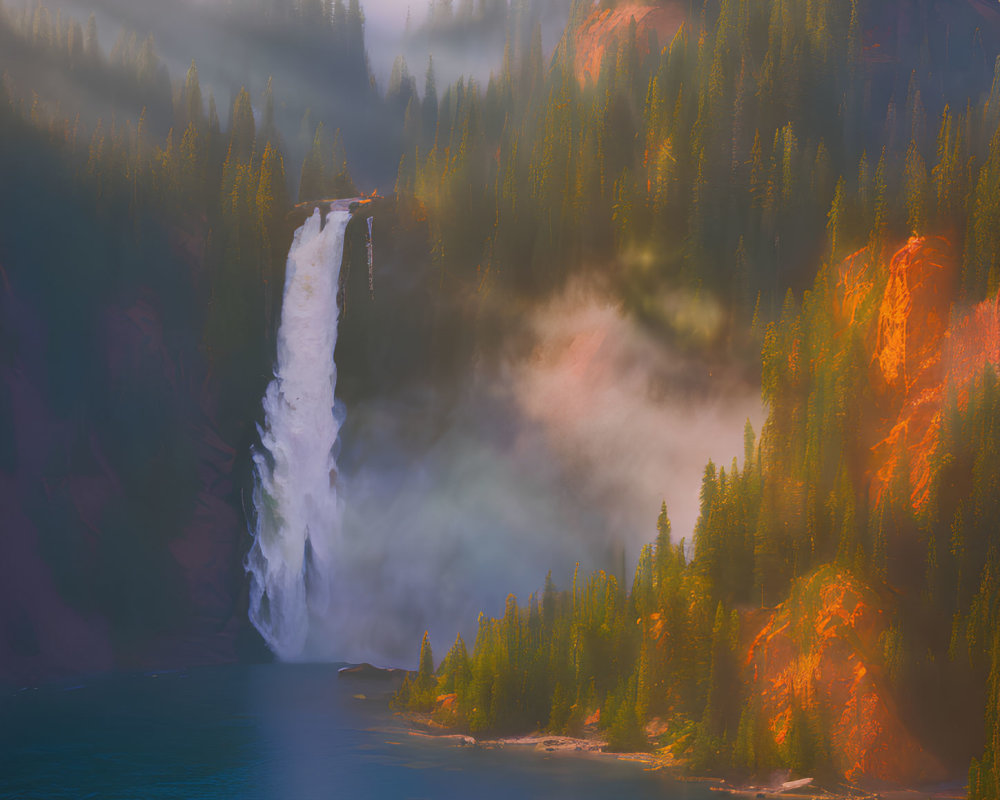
(829, 176)
(768, 155)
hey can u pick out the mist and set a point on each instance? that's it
(560, 453)
(471, 49)
(238, 45)
(243, 43)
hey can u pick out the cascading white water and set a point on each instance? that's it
(299, 513)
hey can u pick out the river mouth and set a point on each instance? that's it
(275, 731)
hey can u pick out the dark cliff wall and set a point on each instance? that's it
(121, 536)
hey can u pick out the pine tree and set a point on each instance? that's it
(835, 220)
(341, 184)
(269, 128)
(643, 585)
(916, 190)
(880, 209)
(91, 45)
(429, 106)
(946, 171)
(456, 668)
(425, 671)
(243, 129)
(314, 178)
(194, 112)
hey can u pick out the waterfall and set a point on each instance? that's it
(299, 515)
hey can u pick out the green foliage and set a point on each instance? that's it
(161, 214)
(891, 642)
(984, 773)
(419, 691)
(740, 160)
(625, 733)
(799, 504)
(324, 170)
(425, 672)
(550, 664)
(805, 750)
(747, 136)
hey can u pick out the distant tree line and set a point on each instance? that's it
(763, 140)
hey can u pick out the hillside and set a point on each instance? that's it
(847, 639)
(656, 24)
(819, 682)
(893, 31)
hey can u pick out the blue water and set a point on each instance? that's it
(272, 731)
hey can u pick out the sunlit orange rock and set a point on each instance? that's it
(912, 324)
(855, 283)
(973, 341)
(921, 349)
(914, 314)
(447, 702)
(601, 27)
(821, 651)
(970, 344)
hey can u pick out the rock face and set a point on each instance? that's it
(821, 653)
(606, 22)
(972, 342)
(920, 346)
(911, 326)
(107, 558)
(855, 287)
(367, 672)
(913, 316)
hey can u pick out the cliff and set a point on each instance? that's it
(829, 656)
(921, 345)
(908, 373)
(821, 656)
(893, 31)
(608, 22)
(123, 538)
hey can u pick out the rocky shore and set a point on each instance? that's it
(421, 725)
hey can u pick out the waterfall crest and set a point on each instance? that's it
(299, 514)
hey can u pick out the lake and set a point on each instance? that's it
(274, 732)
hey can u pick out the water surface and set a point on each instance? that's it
(270, 732)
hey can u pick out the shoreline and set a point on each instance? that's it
(655, 761)
(422, 725)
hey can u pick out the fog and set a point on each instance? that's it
(236, 43)
(560, 454)
(234, 46)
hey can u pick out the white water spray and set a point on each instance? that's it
(293, 561)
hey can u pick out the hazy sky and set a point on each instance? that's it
(392, 12)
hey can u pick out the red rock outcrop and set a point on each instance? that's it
(821, 651)
(973, 341)
(908, 373)
(920, 349)
(913, 316)
(855, 283)
(600, 29)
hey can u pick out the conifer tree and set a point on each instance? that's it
(194, 112)
(314, 177)
(425, 670)
(91, 45)
(243, 129)
(916, 190)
